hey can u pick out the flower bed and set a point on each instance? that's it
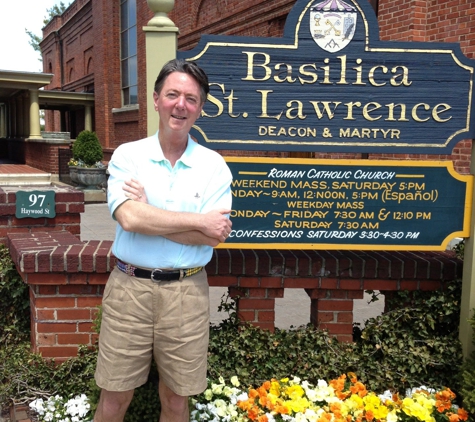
(344, 399)
(58, 409)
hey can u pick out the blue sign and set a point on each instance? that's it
(287, 203)
(330, 85)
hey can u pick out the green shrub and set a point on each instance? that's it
(468, 376)
(415, 343)
(26, 376)
(87, 148)
(14, 302)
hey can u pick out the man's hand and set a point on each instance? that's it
(135, 190)
(216, 225)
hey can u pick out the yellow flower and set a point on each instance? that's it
(217, 388)
(378, 409)
(235, 381)
(297, 405)
(392, 416)
(208, 394)
(414, 408)
(294, 391)
(355, 402)
(275, 388)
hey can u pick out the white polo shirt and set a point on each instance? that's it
(199, 182)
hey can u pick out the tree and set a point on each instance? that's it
(55, 10)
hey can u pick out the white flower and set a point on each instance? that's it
(38, 406)
(311, 415)
(387, 395)
(235, 381)
(242, 397)
(57, 409)
(322, 392)
(270, 417)
(410, 392)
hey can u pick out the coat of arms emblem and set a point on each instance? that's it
(332, 24)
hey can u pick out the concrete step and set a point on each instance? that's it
(23, 179)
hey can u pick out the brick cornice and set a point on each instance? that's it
(42, 252)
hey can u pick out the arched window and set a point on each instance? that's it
(89, 66)
(128, 50)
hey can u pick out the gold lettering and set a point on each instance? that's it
(368, 108)
(251, 65)
(371, 75)
(343, 71)
(395, 133)
(288, 78)
(405, 76)
(350, 105)
(313, 76)
(264, 114)
(213, 100)
(365, 133)
(326, 108)
(298, 109)
(414, 112)
(359, 72)
(230, 99)
(345, 133)
(402, 117)
(326, 74)
(436, 112)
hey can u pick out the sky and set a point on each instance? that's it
(16, 15)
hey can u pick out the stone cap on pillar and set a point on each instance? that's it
(161, 8)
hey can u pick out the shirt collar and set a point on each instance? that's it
(156, 152)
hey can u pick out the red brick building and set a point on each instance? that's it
(99, 47)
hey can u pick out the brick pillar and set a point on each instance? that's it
(256, 305)
(332, 310)
(62, 315)
(66, 279)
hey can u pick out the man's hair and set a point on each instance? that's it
(190, 68)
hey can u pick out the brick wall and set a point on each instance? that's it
(432, 21)
(406, 20)
(127, 126)
(67, 277)
(68, 53)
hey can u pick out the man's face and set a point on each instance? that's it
(178, 103)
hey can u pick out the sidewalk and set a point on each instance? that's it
(292, 310)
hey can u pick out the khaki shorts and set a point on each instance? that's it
(169, 320)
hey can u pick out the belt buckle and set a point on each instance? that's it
(152, 275)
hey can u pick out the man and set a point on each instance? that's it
(171, 198)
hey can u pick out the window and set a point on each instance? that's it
(128, 50)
